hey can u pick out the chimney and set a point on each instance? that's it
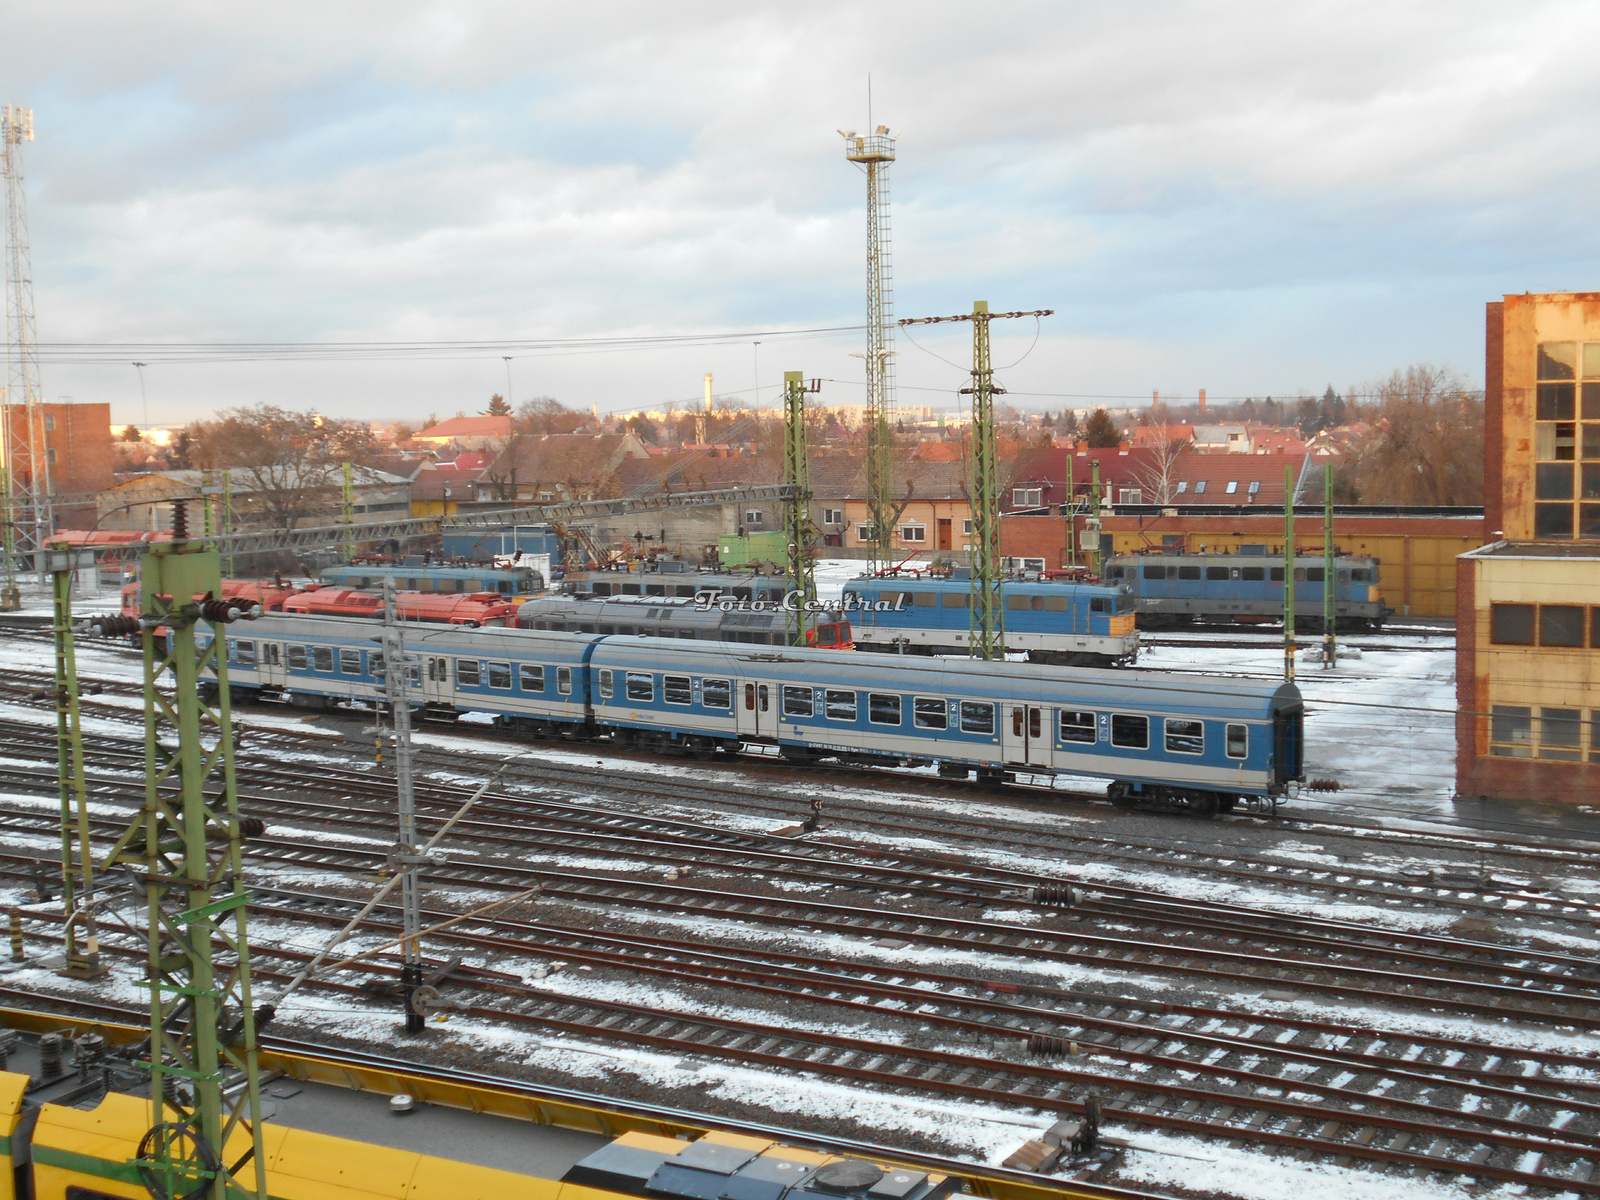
(1155, 399)
(1202, 402)
(1123, 447)
(1083, 446)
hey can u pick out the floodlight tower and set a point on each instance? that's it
(873, 153)
(22, 431)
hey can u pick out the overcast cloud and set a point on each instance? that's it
(1253, 198)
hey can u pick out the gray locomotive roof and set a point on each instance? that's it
(1178, 556)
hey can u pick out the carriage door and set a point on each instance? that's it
(758, 709)
(1025, 735)
(436, 680)
(271, 668)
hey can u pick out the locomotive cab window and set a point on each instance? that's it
(1076, 726)
(467, 672)
(796, 701)
(976, 717)
(1361, 575)
(349, 662)
(641, 685)
(840, 705)
(500, 675)
(322, 658)
(928, 712)
(532, 678)
(883, 709)
(297, 658)
(716, 693)
(676, 689)
(1097, 604)
(564, 680)
(1185, 737)
(1130, 732)
(1238, 741)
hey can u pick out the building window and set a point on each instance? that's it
(1511, 731)
(1027, 497)
(1559, 732)
(1560, 625)
(1200, 488)
(1568, 393)
(966, 527)
(866, 533)
(833, 516)
(1511, 624)
(1255, 487)
(547, 496)
(1130, 495)
(49, 423)
(1183, 486)
(1233, 486)
(913, 533)
(754, 516)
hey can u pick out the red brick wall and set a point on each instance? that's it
(1494, 340)
(1034, 537)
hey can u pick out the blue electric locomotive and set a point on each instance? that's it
(414, 575)
(1060, 624)
(1193, 745)
(1180, 589)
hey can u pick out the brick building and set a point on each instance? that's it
(78, 449)
(1528, 603)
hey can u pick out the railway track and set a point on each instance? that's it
(1270, 1095)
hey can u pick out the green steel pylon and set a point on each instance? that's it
(800, 532)
(10, 594)
(987, 639)
(184, 851)
(1330, 579)
(77, 862)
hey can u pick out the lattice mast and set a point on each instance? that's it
(987, 637)
(873, 153)
(184, 850)
(799, 530)
(22, 432)
(397, 679)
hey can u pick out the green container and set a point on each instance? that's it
(771, 546)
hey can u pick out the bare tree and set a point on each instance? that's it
(1159, 476)
(1425, 444)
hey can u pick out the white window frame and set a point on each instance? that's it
(1027, 497)
(913, 533)
(833, 516)
(755, 516)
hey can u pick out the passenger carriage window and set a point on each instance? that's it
(467, 674)
(954, 599)
(883, 709)
(1016, 721)
(1216, 572)
(1057, 603)
(640, 685)
(297, 658)
(797, 701)
(500, 675)
(1035, 722)
(608, 685)
(1254, 574)
(349, 662)
(1313, 574)
(1185, 737)
(686, 633)
(976, 717)
(564, 680)
(1076, 726)
(676, 689)
(749, 697)
(1130, 732)
(716, 693)
(840, 706)
(763, 698)
(1188, 572)
(532, 678)
(1238, 741)
(928, 712)
(1155, 572)
(322, 658)
(244, 653)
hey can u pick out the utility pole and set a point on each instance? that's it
(347, 511)
(77, 860)
(1330, 578)
(701, 417)
(987, 639)
(873, 153)
(1097, 557)
(227, 514)
(1288, 573)
(396, 684)
(184, 852)
(22, 424)
(799, 530)
(11, 594)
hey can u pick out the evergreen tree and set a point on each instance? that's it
(498, 407)
(1100, 430)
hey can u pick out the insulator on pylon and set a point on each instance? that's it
(113, 626)
(1043, 1046)
(251, 828)
(1323, 785)
(225, 612)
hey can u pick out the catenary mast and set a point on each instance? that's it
(22, 426)
(873, 153)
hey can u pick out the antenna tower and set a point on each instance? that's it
(22, 432)
(873, 153)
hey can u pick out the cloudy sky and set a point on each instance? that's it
(1253, 198)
